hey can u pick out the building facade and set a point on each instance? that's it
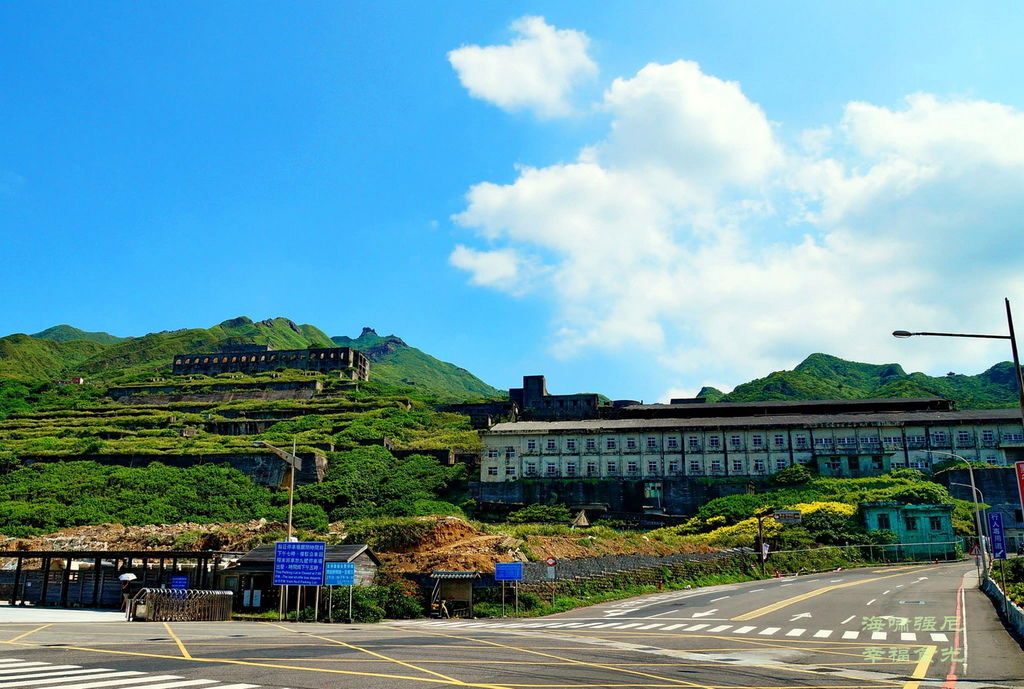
(535, 402)
(837, 444)
(923, 531)
(350, 363)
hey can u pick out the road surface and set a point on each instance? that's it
(908, 627)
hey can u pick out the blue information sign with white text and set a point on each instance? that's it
(508, 571)
(299, 564)
(179, 581)
(340, 574)
(995, 528)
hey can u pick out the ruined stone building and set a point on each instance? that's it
(351, 363)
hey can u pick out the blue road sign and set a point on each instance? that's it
(179, 581)
(299, 564)
(995, 528)
(508, 571)
(340, 574)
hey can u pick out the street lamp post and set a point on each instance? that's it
(292, 460)
(977, 508)
(1013, 348)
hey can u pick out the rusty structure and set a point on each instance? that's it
(350, 363)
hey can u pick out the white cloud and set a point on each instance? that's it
(503, 269)
(674, 236)
(537, 71)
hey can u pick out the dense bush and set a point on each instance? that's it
(541, 514)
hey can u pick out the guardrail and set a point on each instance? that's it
(1011, 611)
(180, 605)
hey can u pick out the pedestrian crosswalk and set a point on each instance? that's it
(28, 674)
(896, 635)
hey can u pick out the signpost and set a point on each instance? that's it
(179, 582)
(299, 563)
(509, 571)
(995, 529)
(788, 516)
(339, 574)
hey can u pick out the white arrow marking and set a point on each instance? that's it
(797, 617)
(705, 614)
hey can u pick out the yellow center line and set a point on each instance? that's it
(31, 631)
(181, 646)
(922, 668)
(380, 656)
(772, 607)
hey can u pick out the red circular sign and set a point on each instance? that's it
(551, 562)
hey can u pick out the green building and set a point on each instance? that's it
(922, 531)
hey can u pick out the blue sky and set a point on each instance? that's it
(674, 194)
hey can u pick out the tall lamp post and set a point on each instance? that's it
(1013, 347)
(293, 461)
(977, 508)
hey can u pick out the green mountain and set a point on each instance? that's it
(65, 333)
(63, 351)
(396, 363)
(821, 376)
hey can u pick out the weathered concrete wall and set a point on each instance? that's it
(344, 359)
(264, 468)
(680, 495)
(218, 397)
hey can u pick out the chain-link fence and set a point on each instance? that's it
(872, 553)
(180, 605)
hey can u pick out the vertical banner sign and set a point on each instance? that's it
(299, 563)
(1020, 482)
(995, 527)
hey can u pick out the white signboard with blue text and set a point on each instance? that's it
(299, 563)
(340, 574)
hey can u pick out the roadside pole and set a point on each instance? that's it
(503, 598)
(350, 620)
(316, 605)
(330, 604)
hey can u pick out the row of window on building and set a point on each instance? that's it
(253, 358)
(759, 441)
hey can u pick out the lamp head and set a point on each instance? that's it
(901, 333)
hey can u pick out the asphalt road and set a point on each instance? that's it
(909, 627)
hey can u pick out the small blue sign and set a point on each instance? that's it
(995, 528)
(299, 564)
(508, 571)
(179, 581)
(340, 574)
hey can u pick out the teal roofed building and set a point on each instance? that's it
(922, 531)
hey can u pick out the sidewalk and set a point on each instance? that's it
(32, 615)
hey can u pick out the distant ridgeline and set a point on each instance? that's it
(352, 363)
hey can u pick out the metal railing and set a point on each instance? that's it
(888, 552)
(180, 605)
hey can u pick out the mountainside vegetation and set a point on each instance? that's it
(822, 376)
(64, 351)
(396, 363)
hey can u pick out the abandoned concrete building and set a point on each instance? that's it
(535, 402)
(651, 459)
(350, 363)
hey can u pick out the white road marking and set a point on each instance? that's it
(832, 581)
(650, 626)
(886, 592)
(822, 633)
(102, 676)
(712, 611)
(696, 627)
(17, 673)
(795, 632)
(908, 636)
(631, 624)
(785, 584)
(608, 624)
(899, 586)
(742, 630)
(799, 616)
(720, 628)
(768, 631)
(755, 590)
(939, 636)
(878, 636)
(61, 673)
(848, 619)
(673, 626)
(871, 601)
(851, 635)
(719, 598)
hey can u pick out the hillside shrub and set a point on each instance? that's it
(542, 514)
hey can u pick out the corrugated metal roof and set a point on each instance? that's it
(446, 574)
(777, 421)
